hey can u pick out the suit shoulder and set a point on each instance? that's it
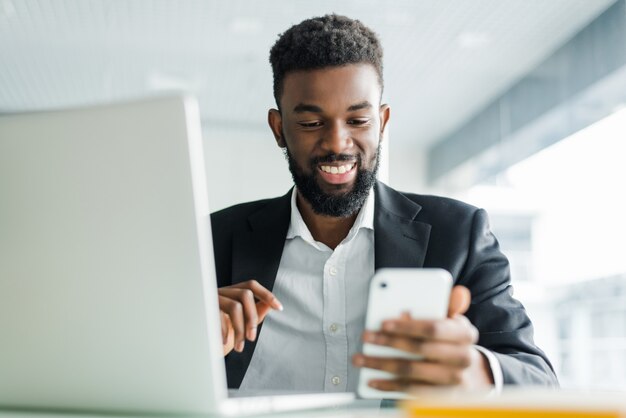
(441, 204)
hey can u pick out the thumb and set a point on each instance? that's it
(460, 299)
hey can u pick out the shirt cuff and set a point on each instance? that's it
(494, 365)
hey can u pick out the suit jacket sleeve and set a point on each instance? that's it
(504, 327)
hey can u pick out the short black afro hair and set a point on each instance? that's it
(327, 41)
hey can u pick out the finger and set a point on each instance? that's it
(246, 298)
(414, 370)
(262, 310)
(228, 335)
(250, 308)
(261, 293)
(392, 385)
(400, 385)
(456, 355)
(403, 385)
(455, 330)
(234, 310)
(460, 299)
(225, 324)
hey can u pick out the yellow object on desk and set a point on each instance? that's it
(499, 412)
(519, 403)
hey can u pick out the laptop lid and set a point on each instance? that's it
(106, 261)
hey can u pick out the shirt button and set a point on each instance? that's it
(333, 271)
(336, 380)
(333, 327)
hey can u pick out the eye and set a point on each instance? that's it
(358, 122)
(311, 124)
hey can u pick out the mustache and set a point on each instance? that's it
(330, 158)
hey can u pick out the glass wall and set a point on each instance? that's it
(560, 218)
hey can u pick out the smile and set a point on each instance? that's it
(342, 169)
(337, 174)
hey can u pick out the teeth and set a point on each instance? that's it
(337, 170)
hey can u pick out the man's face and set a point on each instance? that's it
(330, 125)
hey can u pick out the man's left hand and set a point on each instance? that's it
(446, 345)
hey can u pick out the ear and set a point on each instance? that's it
(385, 112)
(275, 120)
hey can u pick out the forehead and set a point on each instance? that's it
(331, 87)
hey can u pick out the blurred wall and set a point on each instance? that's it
(243, 165)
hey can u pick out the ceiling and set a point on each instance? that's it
(444, 59)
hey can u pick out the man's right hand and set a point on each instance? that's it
(243, 307)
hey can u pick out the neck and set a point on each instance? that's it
(329, 230)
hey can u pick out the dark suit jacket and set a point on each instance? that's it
(409, 231)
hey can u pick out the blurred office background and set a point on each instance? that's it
(517, 106)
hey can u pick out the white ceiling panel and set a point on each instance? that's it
(444, 59)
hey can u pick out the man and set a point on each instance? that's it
(294, 271)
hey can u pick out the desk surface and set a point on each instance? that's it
(529, 402)
(357, 409)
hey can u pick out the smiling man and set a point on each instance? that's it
(306, 258)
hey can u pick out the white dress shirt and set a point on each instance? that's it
(309, 345)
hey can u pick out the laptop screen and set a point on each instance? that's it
(106, 261)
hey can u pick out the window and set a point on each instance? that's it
(560, 217)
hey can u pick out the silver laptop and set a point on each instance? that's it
(108, 298)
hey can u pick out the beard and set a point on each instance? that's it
(340, 204)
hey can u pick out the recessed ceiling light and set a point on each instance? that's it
(473, 40)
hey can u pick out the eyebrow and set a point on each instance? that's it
(303, 107)
(360, 106)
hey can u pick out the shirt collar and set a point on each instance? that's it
(297, 227)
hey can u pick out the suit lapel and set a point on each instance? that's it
(257, 250)
(399, 240)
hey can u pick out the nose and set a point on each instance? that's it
(336, 139)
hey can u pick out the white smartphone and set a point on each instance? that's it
(422, 292)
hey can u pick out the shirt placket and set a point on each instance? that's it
(334, 322)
